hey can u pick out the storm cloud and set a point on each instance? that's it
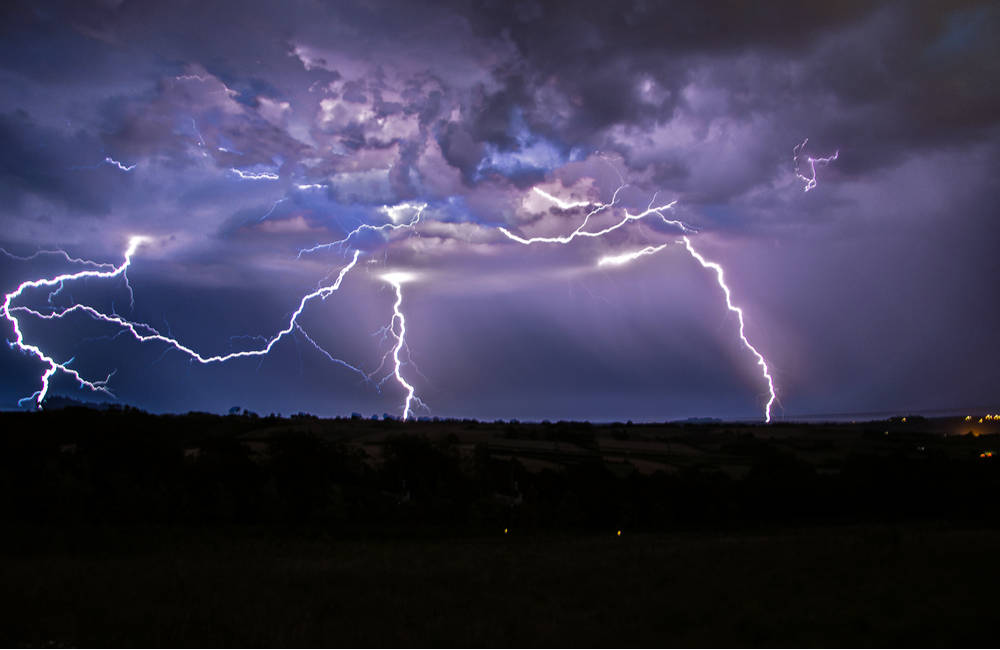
(259, 129)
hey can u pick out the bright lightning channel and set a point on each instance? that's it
(119, 165)
(397, 279)
(254, 176)
(810, 181)
(720, 277)
(562, 205)
(140, 331)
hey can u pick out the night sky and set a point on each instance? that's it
(235, 134)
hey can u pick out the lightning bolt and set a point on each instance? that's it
(396, 279)
(721, 278)
(810, 181)
(625, 258)
(394, 214)
(141, 332)
(580, 230)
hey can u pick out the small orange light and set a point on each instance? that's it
(619, 533)
(504, 531)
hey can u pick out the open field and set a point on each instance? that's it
(124, 528)
(871, 585)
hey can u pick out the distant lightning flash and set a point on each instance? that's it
(394, 214)
(119, 165)
(273, 208)
(580, 232)
(810, 181)
(720, 277)
(139, 331)
(625, 258)
(254, 176)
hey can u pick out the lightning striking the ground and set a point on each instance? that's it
(54, 366)
(625, 258)
(397, 327)
(810, 181)
(721, 278)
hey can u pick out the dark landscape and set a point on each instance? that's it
(126, 528)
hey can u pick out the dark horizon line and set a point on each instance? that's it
(839, 417)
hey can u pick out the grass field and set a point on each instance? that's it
(872, 585)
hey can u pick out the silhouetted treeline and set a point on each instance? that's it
(81, 466)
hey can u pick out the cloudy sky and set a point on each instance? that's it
(236, 134)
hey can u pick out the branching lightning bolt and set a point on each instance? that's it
(391, 211)
(580, 232)
(53, 365)
(810, 181)
(61, 253)
(139, 331)
(625, 258)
